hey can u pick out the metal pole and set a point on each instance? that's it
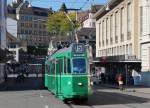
(73, 25)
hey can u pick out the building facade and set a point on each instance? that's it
(117, 36)
(31, 23)
(3, 4)
(86, 17)
(145, 34)
(11, 26)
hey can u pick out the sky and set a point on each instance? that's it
(55, 4)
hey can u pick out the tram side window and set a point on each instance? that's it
(68, 66)
(53, 69)
(47, 69)
(60, 66)
(65, 65)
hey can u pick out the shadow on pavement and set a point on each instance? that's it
(29, 83)
(111, 98)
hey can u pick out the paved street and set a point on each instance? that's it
(102, 98)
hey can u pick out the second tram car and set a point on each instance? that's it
(66, 73)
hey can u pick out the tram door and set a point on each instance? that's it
(59, 74)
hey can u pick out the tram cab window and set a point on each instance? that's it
(79, 66)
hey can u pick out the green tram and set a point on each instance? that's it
(66, 73)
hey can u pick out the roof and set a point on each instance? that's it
(26, 8)
(95, 8)
(82, 16)
(35, 11)
(102, 11)
(11, 38)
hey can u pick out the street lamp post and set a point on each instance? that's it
(126, 69)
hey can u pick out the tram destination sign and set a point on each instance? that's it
(78, 48)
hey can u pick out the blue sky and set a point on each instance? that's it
(55, 4)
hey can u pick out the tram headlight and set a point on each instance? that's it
(69, 83)
(80, 84)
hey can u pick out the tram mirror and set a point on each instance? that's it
(55, 61)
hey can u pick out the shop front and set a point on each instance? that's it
(114, 66)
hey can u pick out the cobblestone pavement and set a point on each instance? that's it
(30, 94)
(29, 99)
(102, 97)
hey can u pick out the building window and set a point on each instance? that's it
(115, 52)
(26, 18)
(30, 31)
(22, 31)
(107, 31)
(35, 25)
(30, 18)
(130, 49)
(122, 24)
(22, 24)
(129, 21)
(141, 20)
(93, 24)
(127, 49)
(100, 35)
(30, 25)
(103, 32)
(22, 18)
(26, 31)
(123, 50)
(116, 26)
(120, 50)
(111, 29)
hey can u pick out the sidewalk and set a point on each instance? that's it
(29, 83)
(139, 89)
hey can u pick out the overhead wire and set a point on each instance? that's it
(85, 3)
(70, 3)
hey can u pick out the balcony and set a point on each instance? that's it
(145, 38)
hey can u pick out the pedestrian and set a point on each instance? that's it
(26, 70)
(99, 76)
(120, 81)
(5, 73)
(103, 78)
